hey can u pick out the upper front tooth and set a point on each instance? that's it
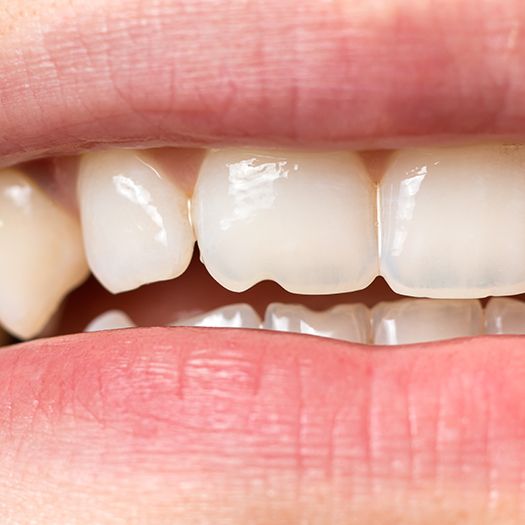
(350, 322)
(305, 220)
(110, 320)
(231, 316)
(504, 315)
(42, 255)
(419, 320)
(135, 220)
(453, 222)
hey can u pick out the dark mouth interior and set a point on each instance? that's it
(196, 292)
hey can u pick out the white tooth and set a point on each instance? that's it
(453, 222)
(110, 320)
(42, 255)
(419, 320)
(135, 220)
(305, 220)
(350, 322)
(505, 316)
(231, 316)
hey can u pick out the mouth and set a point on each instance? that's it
(206, 258)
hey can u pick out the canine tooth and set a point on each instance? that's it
(135, 220)
(453, 221)
(42, 255)
(419, 320)
(231, 316)
(305, 220)
(505, 316)
(350, 322)
(110, 320)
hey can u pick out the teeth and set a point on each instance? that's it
(135, 220)
(505, 316)
(419, 320)
(110, 320)
(453, 222)
(304, 220)
(345, 321)
(231, 316)
(42, 255)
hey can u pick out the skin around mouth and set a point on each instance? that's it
(179, 425)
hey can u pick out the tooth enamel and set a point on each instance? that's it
(305, 220)
(453, 222)
(419, 320)
(42, 255)
(110, 320)
(135, 220)
(350, 322)
(231, 316)
(505, 316)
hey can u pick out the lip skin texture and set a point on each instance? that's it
(265, 72)
(191, 425)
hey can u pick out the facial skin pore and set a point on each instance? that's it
(189, 426)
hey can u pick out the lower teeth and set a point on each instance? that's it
(388, 323)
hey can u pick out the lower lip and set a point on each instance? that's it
(437, 416)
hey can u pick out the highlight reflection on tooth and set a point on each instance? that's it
(231, 316)
(42, 255)
(419, 320)
(350, 322)
(305, 220)
(135, 220)
(110, 320)
(453, 222)
(504, 315)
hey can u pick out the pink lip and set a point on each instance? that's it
(205, 404)
(276, 72)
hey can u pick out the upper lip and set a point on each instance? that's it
(267, 72)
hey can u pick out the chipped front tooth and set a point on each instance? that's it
(453, 222)
(110, 320)
(419, 320)
(350, 322)
(303, 219)
(505, 316)
(231, 316)
(42, 255)
(135, 220)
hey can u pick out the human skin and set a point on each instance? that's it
(174, 425)
(188, 426)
